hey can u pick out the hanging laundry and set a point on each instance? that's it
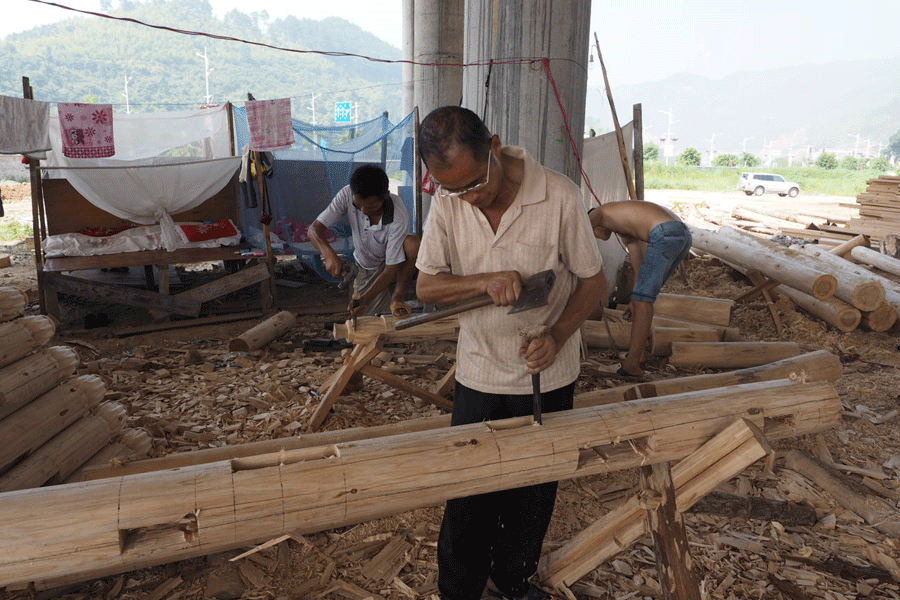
(86, 130)
(24, 126)
(270, 124)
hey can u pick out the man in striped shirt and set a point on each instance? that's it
(499, 217)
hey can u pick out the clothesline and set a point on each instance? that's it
(125, 166)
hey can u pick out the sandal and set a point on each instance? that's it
(533, 593)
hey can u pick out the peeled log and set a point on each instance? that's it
(63, 454)
(772, 265)
(30, 427)
(855, 242)
(730, 355)
(57, 535)
(369, 328)
(715, 311)
(270, 329)
(833, 311)
(891, 288)
(820, 365)
(131, 444)
(661, 338)
(12, 303)
(880, 319)
(884, 262)
(29, 377)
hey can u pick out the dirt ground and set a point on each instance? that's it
(188, 391)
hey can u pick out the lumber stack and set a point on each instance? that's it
(51, 423)
(53, 535)
(879, 208)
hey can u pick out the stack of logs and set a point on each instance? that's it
(826, 283)
(51, 423)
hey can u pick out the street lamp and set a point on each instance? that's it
(207, 71)
(125, 93)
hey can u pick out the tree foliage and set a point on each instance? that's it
(748, 160)
(893, 146)
(850, 163)
(80, 58)
(690, 157)
(827, 161)
(726, 160)
(880, 164)
(651, 152)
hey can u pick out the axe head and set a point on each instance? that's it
(535, 292)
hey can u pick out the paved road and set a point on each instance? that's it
(818, 206)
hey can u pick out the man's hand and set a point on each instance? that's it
(334, 265)
(539, 352)
(504, 287)
(357, 306)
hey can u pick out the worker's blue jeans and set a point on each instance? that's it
(499, 534)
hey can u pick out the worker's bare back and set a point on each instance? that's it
(632, 218)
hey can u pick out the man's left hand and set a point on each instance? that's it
(539, 353)
(358, 306)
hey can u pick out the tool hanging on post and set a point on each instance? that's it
(265, 218)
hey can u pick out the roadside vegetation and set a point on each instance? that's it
(12, 230)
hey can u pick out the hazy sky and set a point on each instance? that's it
(641, 40)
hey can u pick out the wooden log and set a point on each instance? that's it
(756, 256)
(30, 427)
(12, 303)
(674, 563)
(596, 334)
(730, 355)
(714, 311)
(880, 319)
(726, 334)
(891, 288)
(368, 328)
(129, 445)
(731, 451)
(881, 261)
(401, 384)
(833, 311)
(358, 358)
(859, 241)
(751, 507)
(107, 292)
(820, 365)
(50, 536)
(29, 377)
(875, 511)
(64, 453)
(661, 338)
(270, 329)
(226, 285)
(861, 292)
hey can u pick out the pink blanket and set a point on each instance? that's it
(87, 130)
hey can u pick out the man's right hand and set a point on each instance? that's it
(504, 287)
(334, 265)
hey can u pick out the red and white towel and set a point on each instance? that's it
(87, 130)
(270, 124)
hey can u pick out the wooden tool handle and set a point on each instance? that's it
(444, 312)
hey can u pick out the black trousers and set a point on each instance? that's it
(499, 534)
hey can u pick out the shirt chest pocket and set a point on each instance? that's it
(534, 258)
(378, 238)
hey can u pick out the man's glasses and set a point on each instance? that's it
(475, 188)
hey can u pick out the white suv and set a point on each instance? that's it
(762, 183)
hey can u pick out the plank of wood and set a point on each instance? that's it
(106, 292)
(398, 382)
(227, 284)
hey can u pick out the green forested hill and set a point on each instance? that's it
(86, 59)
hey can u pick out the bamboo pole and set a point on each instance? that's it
(727, 454)
(51, 536)
(29, 377)
(756, 256)
(270, 329)
(56, 460)
(32, 426)
(730, 355)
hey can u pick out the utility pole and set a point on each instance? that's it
(206, 71)
(668, 141)
(127, 106)
(313, 107)
(856, 147)
(711, 151)
(744, 145)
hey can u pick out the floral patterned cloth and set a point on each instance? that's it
(86, 129)
(270, 124)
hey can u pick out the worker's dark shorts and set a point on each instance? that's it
(668, 244)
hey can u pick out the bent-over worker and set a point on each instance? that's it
(384, 249)
(657, 241)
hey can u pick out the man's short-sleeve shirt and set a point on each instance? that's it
(374, 245)
(544, 228)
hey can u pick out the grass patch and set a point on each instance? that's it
(12, 230)
(812, 180)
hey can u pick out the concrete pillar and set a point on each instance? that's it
(438, 38)
(408, 20)
(520, 104)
